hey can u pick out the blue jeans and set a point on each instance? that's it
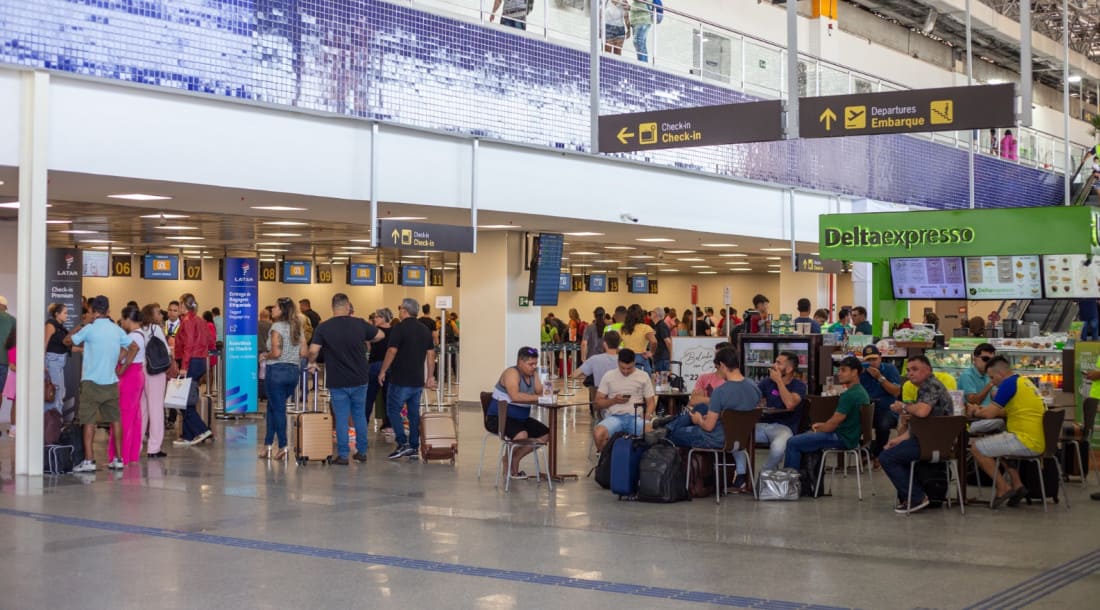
(661, 365)
(885, 421)
(895, 463)
(777, 436)
(513, 23)
(55, 366)
(641, 33)
(280, 381)
(192, 421)
(349, 401)
(397, 395)
(683, 433)
(808, 442)
(1090, 330)
(643, 363)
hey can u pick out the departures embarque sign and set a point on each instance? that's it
(912, 111)
(686, 127)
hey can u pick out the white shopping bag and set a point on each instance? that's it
(178, 393)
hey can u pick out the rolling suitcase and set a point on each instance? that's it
(439, 436)
(626, 457)
(312, 430)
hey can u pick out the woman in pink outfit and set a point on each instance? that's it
(152, 395)
(131, 382)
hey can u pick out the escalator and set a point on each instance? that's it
(1051, 315)
(1082, 183)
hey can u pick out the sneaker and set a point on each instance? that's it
(179, 442)
(904, 508)
(85, 466)
(1017, 495)
(339, 461)
(661, 422)
(202, 437)
(919, 506)
(159, 454)
(115, 464)
(740, 485)
(398, 452)
(359, 457)
(411, 453)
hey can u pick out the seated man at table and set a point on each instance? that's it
(619, 391)
(931, 399)
(519, 387)
(978, 388)
(842, 430)
(1019, 401)
(783, 394)
(701, 426)
(883, 383)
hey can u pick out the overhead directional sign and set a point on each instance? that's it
(913, 111)
(814, 264)
(423, 236)
(685, 127)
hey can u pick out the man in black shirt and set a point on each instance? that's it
(343, 338)
(664, 340)
(307, 311)
(410, 352)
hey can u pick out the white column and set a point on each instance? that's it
(31, 273)
(861, 288)
(494, 326)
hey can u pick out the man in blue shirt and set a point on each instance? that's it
(883, 384)
(783, 394)
(1090, 319)
(105, 345)
(804, 316)
(978, 389)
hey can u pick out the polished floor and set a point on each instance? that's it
(212, 526)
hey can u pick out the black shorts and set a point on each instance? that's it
(533, 427)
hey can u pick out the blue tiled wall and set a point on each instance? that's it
(372, 59)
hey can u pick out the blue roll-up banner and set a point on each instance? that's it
(242, 297)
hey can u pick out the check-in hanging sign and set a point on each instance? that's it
(686, 127)
(912, 111)
(423, 236)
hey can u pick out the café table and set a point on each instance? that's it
(552, 409)
(672, 400)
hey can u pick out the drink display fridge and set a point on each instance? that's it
(758, 353)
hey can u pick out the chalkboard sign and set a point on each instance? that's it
(696, 355)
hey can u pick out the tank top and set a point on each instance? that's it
(289, 353)
(56, 344)
(500, 395)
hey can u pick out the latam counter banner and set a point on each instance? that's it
(63, 267)
(241, 310)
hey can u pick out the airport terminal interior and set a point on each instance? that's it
(526, 177)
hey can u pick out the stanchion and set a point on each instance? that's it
(451, 353)
(567, 369)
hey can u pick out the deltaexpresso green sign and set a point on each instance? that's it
(878, 236)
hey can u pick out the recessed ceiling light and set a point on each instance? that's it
(273, 243)
(176, 228)
(584, 234)
(166, 216)
(692, 260)
(184, 237)
(606, 260)
(740, 269)
(286, 223)
(354, 248)
(271, 249)
(774, 271)
(815, 254)
(680, 251)
(641, 256)
(14, 205)
(728, 254)
(700, 266)
(498, 226)
(581, 265)
(58, 222)
(654, 240)
(79, 232)
(737, 262)
(416, 256)
(405, 218)
(282, 234)
(586, 253)
(655, 263)
(671, 270)
(708, 273)
(598, 271)
(139, 197)
(97, 241)
(278, 208)
(627, 267)
(775, 249)
(775, 266)
(773, 258)
(192, 251)
(359, 241)
(619, 248)
(719, 245)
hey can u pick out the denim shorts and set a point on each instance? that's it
(625, 422)
(613, 32)
(1002, 445)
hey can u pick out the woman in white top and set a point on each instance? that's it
(616, 20)
(152, 395)
(131, 382)
(286, 347)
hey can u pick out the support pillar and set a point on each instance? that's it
(494, 326)
(31, 272)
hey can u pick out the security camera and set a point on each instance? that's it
(628, 218)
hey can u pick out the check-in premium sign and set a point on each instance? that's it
(912, 111)
(685, 127)
(423, 236)
(814, 264)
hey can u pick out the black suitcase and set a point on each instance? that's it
(1069, 459)
(1029, 476)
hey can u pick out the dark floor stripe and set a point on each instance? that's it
(684, 595)
(1042, 584)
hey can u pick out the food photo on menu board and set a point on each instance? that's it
(928, 278)
(1003, 277)
(1070, 276)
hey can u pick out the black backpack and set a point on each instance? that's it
(603, 466)
(811, 466)
(933, 478)
(661, 475)
(157, 358)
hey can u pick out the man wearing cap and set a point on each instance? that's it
(105, 345)
(7, 324)
(883, 383)
(842, 430)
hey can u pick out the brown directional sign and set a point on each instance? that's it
(686, 127)
(913, 111)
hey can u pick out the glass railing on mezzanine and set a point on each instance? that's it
(690, 46)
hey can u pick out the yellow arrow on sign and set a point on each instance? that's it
(624, 135)
(396, 235)
(827, 117)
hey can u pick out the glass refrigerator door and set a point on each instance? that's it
(803, 351)
(759, 357)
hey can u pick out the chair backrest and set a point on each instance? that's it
(502, 412)
(486, 398)
(867, 423)
(804, 415)
(1052, 430)
(1088, 410)
(939, 436)
(822, 408)
(739, 427)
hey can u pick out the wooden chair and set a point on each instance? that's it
(939, 441)
(739, 429)
(1052, 432)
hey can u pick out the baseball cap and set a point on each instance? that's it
(100, 304)
(852, 363)
(871, 350)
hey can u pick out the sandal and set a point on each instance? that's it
(280, 454)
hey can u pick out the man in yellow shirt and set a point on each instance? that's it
(1019, 402)
(909, 391)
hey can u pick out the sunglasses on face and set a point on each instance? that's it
(529, 352)
(985, 358)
